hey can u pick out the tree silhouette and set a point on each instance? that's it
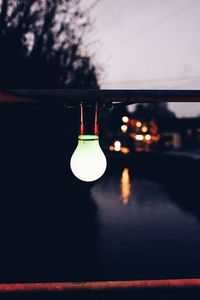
(160, 112)
(41, 45)
(153, 110)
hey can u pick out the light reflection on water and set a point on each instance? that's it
(125, 186)
(142, 232)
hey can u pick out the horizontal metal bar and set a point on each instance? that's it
(99, 285)
(74, 96)
(9, 98)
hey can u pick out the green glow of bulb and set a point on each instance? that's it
(88, 162)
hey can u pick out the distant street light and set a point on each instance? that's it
(125, 119)
(124, 128)
(117, 145)
(144, 129)
(138, 124)
(139, 137)
(147, 137)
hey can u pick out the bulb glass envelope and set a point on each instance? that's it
(88, 162)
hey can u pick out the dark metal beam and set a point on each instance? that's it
(74, 96)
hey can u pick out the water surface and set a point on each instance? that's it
(142, 231)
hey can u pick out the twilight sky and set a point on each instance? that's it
(147, 44)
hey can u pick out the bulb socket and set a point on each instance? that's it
(89, 120)
(88, 137)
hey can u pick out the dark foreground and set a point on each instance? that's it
(51, 223)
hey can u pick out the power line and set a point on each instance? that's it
(191, 82)
(93, 5)
(163, 20)
(151, 80)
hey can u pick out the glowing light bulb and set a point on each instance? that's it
(88, 162)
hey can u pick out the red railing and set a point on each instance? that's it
(99, 286)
